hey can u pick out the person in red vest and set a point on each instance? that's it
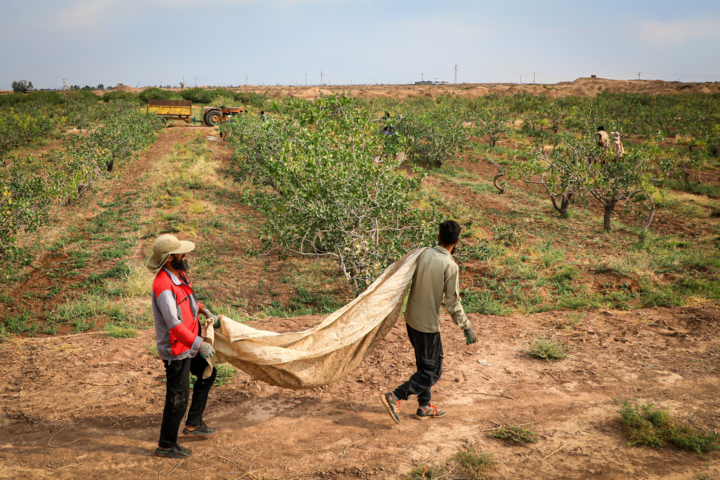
(179, 344)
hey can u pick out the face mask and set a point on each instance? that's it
(180, 264)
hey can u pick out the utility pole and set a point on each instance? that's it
(639, 73)
(456, 70)
(306, 79)
(422, 77)
(195, 81)
(533, 78)
(320, 77)
(63, 84)
(520, 79)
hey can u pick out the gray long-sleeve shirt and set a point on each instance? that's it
(436, 276)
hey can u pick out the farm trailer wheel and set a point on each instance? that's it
(213, 117)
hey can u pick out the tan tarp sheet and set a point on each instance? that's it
(326, 352)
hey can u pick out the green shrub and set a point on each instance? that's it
(159, 94)
(646, 424)
(121, 96)
(546, 349)
(112, 330)
(514, 434)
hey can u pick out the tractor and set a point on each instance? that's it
(213, 115)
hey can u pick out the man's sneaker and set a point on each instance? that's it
(201, 431)
(428, 412)
(393, 406)
(176, 451)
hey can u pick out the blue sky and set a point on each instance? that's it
(221, 42)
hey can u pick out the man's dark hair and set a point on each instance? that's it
(449, 232)
(601, 128)
(262, 112)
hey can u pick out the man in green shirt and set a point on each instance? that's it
(436, 276)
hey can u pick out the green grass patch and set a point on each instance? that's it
(646, 424)
(119, 332)
(547, 349)
(468, 464)
(225, 373)
(514, 434)
(709, 189)
(483, 302)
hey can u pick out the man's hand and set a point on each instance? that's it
(206, 350)
(470, 336)
(209, 314)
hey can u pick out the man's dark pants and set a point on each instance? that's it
(176, 399)
(428, 358)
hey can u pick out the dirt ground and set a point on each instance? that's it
(87, 406)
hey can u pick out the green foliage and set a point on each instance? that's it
(22, 86)
(31, 185)
(468, 464)
(646, 424)
(547, 349)
(489, 122)
(34, 98)
(159, 94)
(433, 135)
(152, 350)
(121, 97)
(334, 186)
(20, 128)
(225, 374)
(514, 434)
(473, 464)
(483, 302)
(119, 332)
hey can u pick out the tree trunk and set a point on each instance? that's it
(501, 189)
(562, 209)
(649, 219)
(609, 208)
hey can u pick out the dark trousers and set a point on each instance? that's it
(428, 359)
(178, 373)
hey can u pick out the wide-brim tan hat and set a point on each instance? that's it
(164, 246)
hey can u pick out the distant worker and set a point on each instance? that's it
(436, 276)
(180, 346)
(263, 117)
(617, 146)
(603, 139)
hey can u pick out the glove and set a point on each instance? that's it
(206, 350)
(470, 336)
(209, 314)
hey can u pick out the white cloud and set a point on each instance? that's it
(94, 13)
(678, 31)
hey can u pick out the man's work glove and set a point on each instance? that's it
(470, 336)
(206, 350)
(209, 314)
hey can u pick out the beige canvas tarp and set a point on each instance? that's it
(326, 352)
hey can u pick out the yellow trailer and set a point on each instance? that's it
(171, 109)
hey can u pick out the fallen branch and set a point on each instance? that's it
(493, 395)
(176, 466)
(553, 453)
